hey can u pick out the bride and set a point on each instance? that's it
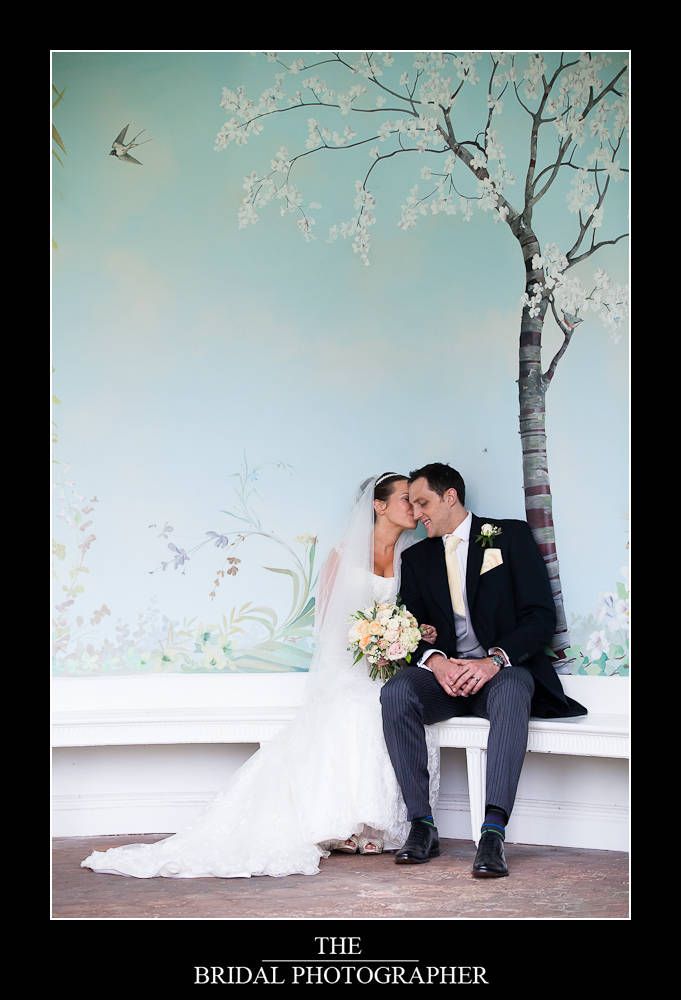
(325, 781)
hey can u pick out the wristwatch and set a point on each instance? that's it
(498, 659)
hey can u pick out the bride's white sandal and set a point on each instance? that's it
(349, 846)
(370, 845)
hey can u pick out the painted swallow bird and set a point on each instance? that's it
(570, 320)
(121, 149)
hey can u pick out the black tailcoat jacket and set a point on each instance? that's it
(511, 606)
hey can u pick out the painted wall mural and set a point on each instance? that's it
(220, 388)
(602, 645)
(159, 644)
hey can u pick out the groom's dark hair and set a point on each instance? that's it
(441, 478)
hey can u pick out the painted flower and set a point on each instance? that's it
(89, 661)
(597, 645)
(212, 659)
(613, 612)
(306, 539)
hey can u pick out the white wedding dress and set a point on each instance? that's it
(327, 775)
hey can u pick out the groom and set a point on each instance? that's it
(494, 613)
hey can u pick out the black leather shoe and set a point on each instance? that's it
(421, 845)
(490, 861)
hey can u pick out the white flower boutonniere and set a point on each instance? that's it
(488, 532)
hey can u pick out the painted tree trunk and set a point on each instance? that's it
(532, 399)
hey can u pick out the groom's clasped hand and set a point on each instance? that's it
(461, 677)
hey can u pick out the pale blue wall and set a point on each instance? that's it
(182, 344)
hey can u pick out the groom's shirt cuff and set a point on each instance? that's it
(422, 661)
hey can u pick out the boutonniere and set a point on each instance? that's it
(488, 532)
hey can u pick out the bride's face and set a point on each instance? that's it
(398, 509)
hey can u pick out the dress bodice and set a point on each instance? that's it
(384, 588)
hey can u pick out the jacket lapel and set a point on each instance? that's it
(474, 565)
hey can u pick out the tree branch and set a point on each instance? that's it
(458, 148)
(594, 248)
(554, 171)
(584, 226)
(515, 87)
(537, 122)
(564, 146)
(409, 106)
(592, 102)
(490, 100)
(393, 93)
(574, 166)
(567, 336)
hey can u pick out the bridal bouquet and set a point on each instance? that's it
(384, 634)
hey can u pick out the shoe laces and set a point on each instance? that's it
(420, 832)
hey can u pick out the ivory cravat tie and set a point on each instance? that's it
(454, 574)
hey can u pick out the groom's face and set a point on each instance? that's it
(432, 510)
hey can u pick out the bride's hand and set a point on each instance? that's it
(428, 633)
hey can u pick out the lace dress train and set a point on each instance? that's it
(325, 776)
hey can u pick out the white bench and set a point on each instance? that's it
(595, 735)
(247, 708)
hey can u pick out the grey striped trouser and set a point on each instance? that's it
(414, 698)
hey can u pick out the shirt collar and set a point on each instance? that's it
(463, 531)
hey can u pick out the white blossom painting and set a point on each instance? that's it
(275, 274)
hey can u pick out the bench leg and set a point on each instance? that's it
(476, 764)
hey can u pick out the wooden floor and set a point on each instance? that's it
(544, 882)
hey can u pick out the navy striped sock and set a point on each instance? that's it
(427, 819)
(495, 822)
